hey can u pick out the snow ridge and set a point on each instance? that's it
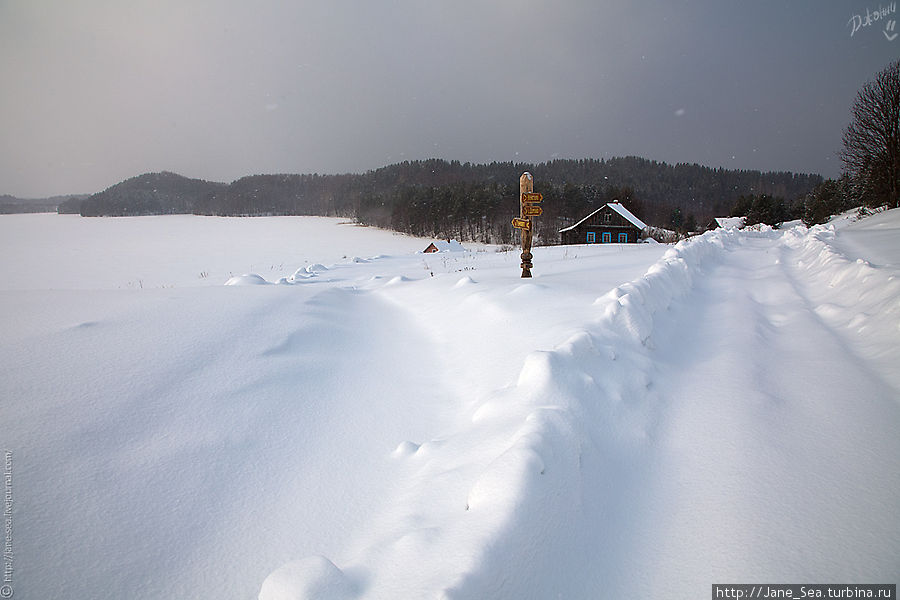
(509, 487)
(592, 388)
(853, 297)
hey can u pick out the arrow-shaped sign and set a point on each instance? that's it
(530, 210)
(531, 197)
(521, 223)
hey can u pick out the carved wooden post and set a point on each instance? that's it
(527, 209)
(526, 186)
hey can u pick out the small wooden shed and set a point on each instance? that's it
(612, 223)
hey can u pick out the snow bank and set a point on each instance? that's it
(461, 484)
(495, 508)
(308, 579)
(247, 279)
(730, 222)
(305, 273)
(578, 403)
(857, 298)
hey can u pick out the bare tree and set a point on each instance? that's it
(871, 152)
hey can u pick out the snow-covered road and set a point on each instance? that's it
(636, 420)
(776, 453)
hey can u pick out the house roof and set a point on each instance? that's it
(446, 246)
(730, 222)
(621, 210)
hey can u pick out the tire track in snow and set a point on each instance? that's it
(776, 454)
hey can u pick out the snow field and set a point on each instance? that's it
(595, 400)
(68, 252)
(576, 491)
(642, 420)
(187, 441)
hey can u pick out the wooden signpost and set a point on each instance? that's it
(528, 201)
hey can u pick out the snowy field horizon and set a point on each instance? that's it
(351, 418)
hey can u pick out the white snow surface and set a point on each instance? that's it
(635, 421)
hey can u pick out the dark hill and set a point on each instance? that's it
(152, 194)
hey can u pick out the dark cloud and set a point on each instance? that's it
(99, 90)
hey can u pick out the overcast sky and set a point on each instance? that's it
(96, 91)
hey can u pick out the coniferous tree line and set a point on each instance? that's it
(829, 198)
(10, 205)
(470, 202)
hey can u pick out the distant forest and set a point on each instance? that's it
(10, 205)
(470, 202)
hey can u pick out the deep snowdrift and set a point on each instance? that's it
(636, 420)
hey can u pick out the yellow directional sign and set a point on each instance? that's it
(530, 210)
(531, 197)
(521, 223)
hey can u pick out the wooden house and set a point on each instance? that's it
(610, 224)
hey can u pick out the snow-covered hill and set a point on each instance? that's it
(640, 420)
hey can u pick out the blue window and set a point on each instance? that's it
(591, 237)
(623, 238)
(606, 237)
